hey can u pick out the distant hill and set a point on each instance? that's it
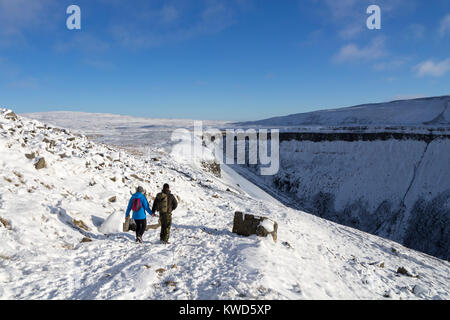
(424, 111)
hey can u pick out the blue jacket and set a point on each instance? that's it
(139, 215)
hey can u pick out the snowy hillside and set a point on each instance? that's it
(54, 246)
(381, 168)
(433, 111)
(397, 189)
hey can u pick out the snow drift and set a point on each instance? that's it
(112, 224)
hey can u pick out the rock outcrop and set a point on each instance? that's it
(248, 224)
(40, 164)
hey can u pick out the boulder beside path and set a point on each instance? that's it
(248, 224)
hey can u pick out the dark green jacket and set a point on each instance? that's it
(172, 203)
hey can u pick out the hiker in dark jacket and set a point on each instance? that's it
(139, 204)
(165, 203)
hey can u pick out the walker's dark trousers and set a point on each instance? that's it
(166, 223)
(141, 225)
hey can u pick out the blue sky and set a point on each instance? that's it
(212, 59)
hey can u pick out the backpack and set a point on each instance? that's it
(136, 205)
(163, 202)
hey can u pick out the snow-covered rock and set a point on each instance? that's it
(113, 223)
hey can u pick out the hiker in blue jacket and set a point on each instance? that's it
(139, 204)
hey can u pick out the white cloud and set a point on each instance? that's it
(17, 16)
(99, 64)
(415, 32)
(342, 9)
(170, 25)
(390, 65)
(445, 25)
(353, 53)
(169, 13)
(313, 38)
(351, 31)
(433, 68)
(82, 42)
(348, 16)
(24, 84)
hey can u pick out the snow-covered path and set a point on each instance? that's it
(210, 263)
(48, 212)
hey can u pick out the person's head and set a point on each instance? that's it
(140, 189)
(166, 187)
